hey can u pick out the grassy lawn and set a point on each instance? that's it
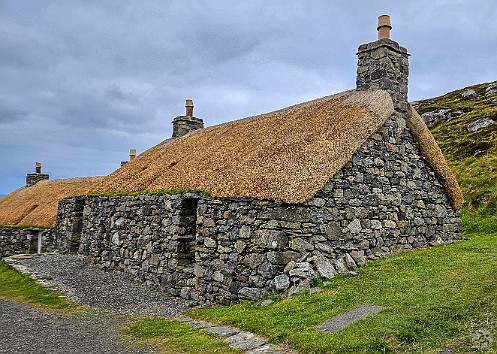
(174, 337)
(17, 287)
(434, 298)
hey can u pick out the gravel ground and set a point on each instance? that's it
(24, 330)
(109, 291)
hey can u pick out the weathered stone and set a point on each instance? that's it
(281, 282)
(354, 226)
(333, 231)
(282, 258)
(324, 267)
(349, 261)
(300, 288)
(469, 94)
(290, 266)
(253, 260)
(251, 293)
(299, 244)
(479, 124)
(434, 118)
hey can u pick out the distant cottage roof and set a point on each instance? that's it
(285, 155)
(37, 205)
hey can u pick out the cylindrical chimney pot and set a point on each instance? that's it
(189, 108)
(384, 27)
(132, 154)
(38, 167)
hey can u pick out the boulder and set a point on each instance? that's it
(479, 124)
(281, 282)
(436, 117)
(469, 94)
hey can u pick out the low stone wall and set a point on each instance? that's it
(150, 237)
(24, 240)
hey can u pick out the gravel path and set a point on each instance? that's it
(25, 330)
(104, 290)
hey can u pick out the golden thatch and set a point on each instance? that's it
(285, 155)
(37, 205)
(433, 155)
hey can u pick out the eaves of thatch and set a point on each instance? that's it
(37, 205)
(285, 155)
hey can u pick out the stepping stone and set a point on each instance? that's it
(268, 349)
(245, 340)
(223, 331)
(341, 321)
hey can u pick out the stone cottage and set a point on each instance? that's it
(266, 203)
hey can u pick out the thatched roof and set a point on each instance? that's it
(433, 155)
(285, 155)
(37, 205)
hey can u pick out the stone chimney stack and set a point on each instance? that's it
(384, 64)
(132, 155)
(184, 124)
(33, 178)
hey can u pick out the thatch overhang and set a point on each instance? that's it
(430, 150)
(37, 205)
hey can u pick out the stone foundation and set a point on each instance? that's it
(24, 240)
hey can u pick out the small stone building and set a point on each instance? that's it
(266, 203)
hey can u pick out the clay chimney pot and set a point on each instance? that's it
(38, 167)
(189, 108)
(132, 154)
(384, 27)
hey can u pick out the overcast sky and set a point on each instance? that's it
(82, 82)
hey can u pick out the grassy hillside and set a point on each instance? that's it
(471, 155)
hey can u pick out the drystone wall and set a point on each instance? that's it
(69, 224)
(220, 250)
(386, 199)
(24, 240)
(150, 237)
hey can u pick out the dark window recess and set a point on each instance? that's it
(183, 241)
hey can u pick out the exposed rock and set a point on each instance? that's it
(300, 288)
(316, 290)
(341, 266)
(349, 261)
(491, 90)
(324, 267)
(479, 124)
(436, 117)
(281, 282)
(302, 270)
(469, 94)
(251, 293)
(266, 303)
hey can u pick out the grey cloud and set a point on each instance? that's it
(81, 82)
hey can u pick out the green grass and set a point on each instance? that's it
(471, 155)
(17, 287)
(175, 337)
(26, 226)
(433, 297)
(145, 192)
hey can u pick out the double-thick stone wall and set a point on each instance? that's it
(386, 199)
(24, 240)
(219, 250)
(150, 237)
